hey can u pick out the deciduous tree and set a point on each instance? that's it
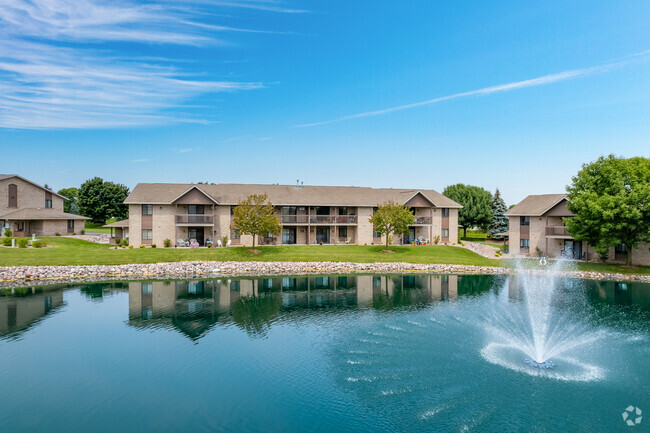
(392, 219)
(477, 205)
(256, 216)
(101, 200)
(70, 205)
(611, 200)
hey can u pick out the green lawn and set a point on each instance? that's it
(69, 251)
(96, 228)
(472, 235)
(533, 263)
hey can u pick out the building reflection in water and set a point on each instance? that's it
(194, 307)
(25, 308)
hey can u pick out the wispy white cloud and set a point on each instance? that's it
(50, 78)
(539, 81)
(188, 149)
(140, 160)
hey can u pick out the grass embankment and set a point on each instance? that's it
(70, 251)
(96, 228)
(608, 268)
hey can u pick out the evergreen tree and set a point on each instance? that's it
(499, 220)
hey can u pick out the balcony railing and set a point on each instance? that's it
(333, 219)
(294, 219)
(422, 220)
(194, 219)
(557, 231)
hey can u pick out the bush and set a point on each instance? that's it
(436, 239)
(83, 232)
(74, 233)
(462, 243)
(539, 252)
(8, 233)
(167, 243)
(57, 234)
(37, 244)
(130, 245)
(22, 242)
(117, 241)
(224, 241)
(498, 253)
(125, 243)
(6, 242)
(153, 246)
(141, 246)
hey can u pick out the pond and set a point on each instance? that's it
(331, 353)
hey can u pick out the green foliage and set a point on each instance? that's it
(500, 222)
(141, 246)
(392, 219)
(477, 206)
(167, 243)
(131, 246)
(8, 233)
(71, 205)
(57, 234)
(539, 252)
(224, 241)
(256, 216)
(117, 241)
(22, 242)
(153, 246)
(436, 239)
(37, 244)
(611, 200)
(100, 200)
(6, 242)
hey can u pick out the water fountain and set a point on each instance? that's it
(544, 336)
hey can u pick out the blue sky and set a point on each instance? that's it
(417, 94)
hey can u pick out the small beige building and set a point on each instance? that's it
(309, 215)
(538, 223)
(27, 209)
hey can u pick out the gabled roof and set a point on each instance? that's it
(285, 195)
(536, 205)
(421, 194)
(118, 224)
(40, 214)
(199, 190)
(9, 176)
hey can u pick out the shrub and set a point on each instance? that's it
(125, 243)
(118, 241)
(83, 232)
(539, 252)
(498, 253)
(224, 241)
(167, 243)
(141, 246)
(130, 245)
(209, 245)
(153, 246)
(22, 242)
(6, 242)
(37, 244)
(57, 234)
(436, 239)
(462, 243)
(8, 233)
(74, 233)
(43, 243)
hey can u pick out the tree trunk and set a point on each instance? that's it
(253, 241)
(387, 237)
(628, 261)
(464, 231)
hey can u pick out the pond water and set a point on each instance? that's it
(330, 353)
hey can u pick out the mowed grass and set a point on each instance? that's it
(96, 228)
(609, 268)
(70, 251)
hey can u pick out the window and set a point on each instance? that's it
(232, 208)
(524, 221)
(620, 248)
(343, 232)
(289, 210)
(376, 234)
(13, 195)
(48, 200)
(322, 210)
(147, 209)
(147, 234)
(524, 243)
(235, 234)
(445, 233)
(288, 283)
(195, 209)
(343, 210)
(146, 288)
(376, 282)
(235, 285)
(374, 210)
(445, 212)
(70, 224)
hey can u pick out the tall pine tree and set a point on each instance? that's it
(499, 220)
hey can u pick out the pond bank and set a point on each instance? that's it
(16, 276)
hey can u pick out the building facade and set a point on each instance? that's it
(29, 209)
(309, 215)
(537, 224)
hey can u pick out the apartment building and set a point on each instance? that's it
(30, 209)
(538, 222)
(309, 215)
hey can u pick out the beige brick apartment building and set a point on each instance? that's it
(30, 209)
(537, 222)
(309, 214)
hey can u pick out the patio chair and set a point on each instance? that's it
(348, 240)
(182, 243)
(219, 244)
(228, 243)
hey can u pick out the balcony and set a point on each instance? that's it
(194, 220)
(294, 219)
(558, 232)
(422, 220)
(333, 219)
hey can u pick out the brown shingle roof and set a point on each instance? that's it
(9, 176)
(536, 205)
(231, 194)
(40, 214)
(119, 224)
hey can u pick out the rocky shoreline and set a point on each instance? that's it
(18, 276)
